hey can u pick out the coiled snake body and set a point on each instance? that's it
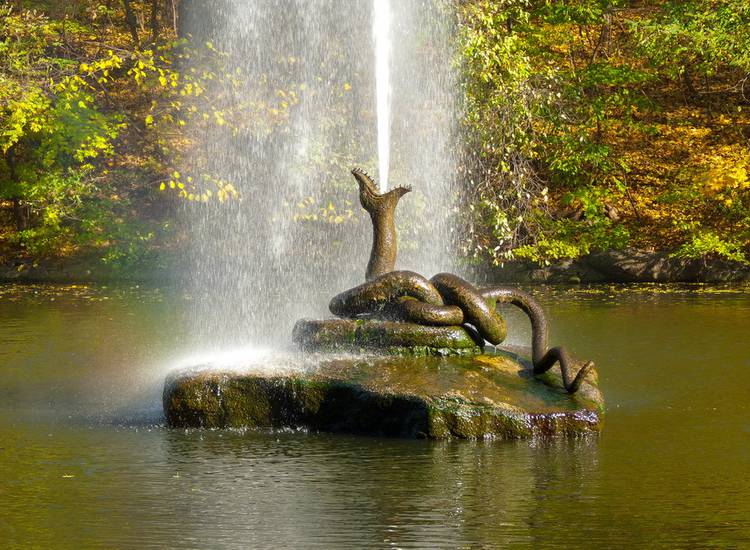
(445, 299)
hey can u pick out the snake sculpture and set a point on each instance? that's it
(445, 299)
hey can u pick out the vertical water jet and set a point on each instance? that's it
(381, 30)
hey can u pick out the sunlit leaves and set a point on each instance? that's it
(28, 114)
(697, 37)
(69, 103)
(310, 209)
(541, 99)
(207, 188)
(578, 98)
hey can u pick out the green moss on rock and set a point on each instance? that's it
(486, 396)
(385, 336)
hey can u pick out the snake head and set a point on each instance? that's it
(369, 195)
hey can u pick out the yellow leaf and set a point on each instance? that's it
(162, 187)
(149, 119)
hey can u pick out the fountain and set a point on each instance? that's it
(420, 305)
(400, 332)
(405, 355)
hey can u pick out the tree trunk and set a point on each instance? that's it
(689, 88)
(154, 20)
(20, 214)
(20, 211)
(131, 22)
(177, 18)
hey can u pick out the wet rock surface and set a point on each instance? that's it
(484, 396)
(393, 337)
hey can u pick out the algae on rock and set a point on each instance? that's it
(486, 396)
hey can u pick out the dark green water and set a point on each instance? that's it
(85, 462)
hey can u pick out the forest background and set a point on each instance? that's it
(594, 125)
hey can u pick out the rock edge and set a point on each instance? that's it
(392, 397)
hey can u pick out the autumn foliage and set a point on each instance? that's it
(604, 124)
(588, 125)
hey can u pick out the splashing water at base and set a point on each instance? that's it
(381, 30)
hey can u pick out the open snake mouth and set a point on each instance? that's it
(369, 188)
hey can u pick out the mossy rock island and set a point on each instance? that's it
(489, 396)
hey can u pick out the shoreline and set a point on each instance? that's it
(619, 266)
(614, 266)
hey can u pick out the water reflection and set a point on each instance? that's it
(395, 492)
(84, 461)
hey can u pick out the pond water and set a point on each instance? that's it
(85, 461)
